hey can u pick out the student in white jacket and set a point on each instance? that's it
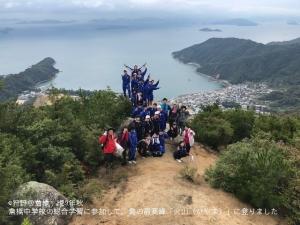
(188, 138)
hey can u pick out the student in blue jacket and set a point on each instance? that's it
(162, 118)
(126, 83)
(133, 141)
(166, 107)
(162, 139)
(141, 75)
(134, 83)
(149, 88)
(137, 111)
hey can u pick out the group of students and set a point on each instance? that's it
(136, 87)
(152, 123)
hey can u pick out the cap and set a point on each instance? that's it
(147, 117)
(157, 113)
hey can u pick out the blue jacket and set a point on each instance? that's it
(143, 75)
(133, 138)
(126, 79)
(143, 114)
(166, 108)
(149, 88)
(136, 111)
(151, 111)
(162, 120)
(162, 140)
(134, 84)
(155, 145)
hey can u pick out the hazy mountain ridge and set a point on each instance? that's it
(291, 42)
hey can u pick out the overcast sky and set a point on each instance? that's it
(280, 8)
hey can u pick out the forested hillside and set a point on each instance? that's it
(55, 144)
(238, 60)
(14, 84)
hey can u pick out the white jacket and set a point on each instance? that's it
(191, 135)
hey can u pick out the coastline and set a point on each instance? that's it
(224, 83)
(245, 94)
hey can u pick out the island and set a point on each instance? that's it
(207, 29)
(293, 23)
(15, 84)
(239, 61)
(235, 22)
(5, 30)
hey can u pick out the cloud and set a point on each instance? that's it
(268, 7)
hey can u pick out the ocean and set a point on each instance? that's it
(91, 58)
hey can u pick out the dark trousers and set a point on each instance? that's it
(188, 148)
(126, 88)
(109, 159)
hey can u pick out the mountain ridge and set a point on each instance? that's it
(240, 60)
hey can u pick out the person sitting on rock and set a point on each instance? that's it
(144, 147)
(173, 131)
(155, 146)
(156, 123)
(148, 125)
(180, 152)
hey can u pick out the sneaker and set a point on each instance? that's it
(134, 162)
(130, 162)
(178, 160)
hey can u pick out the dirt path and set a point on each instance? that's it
(156, 190)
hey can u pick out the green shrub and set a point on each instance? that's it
(189, 173)
(216, 128)
(281, 128)
(92, 189)
(242, 123)
(26, 221)
(212, 131)
(257, 171)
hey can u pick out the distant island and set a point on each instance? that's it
(207, 29)
(235, 22)
(240, 60)
(293, 22)
(5, 30)
(15, 84)
(48, 21)
(291, 42)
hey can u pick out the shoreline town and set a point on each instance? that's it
(246, 95)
